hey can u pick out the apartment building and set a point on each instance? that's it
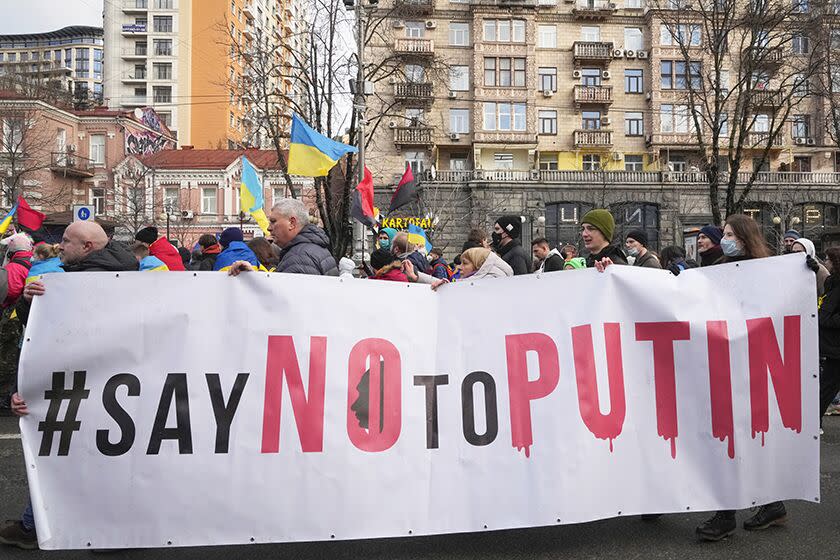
(70, 59)
(546, 108)
(186, 59)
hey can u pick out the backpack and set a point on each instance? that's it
(446, 267)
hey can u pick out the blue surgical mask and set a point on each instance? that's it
(631, 251)
(730, 248)
(385, 244)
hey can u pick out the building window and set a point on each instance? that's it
(162, 24)
(548, 164)
(163, 71)
(633, 39)
(800, 85)
(504, 30)
(760, 80)
(162, 94)
(677, 163)
(414, 116)
(97, 148)
(547, 36)
(503, 161)
(548, 79)
(82, 63)
(801, 44)
(414, 73)
(590, 34)
(761, 123)
(167, 5)
(504, 72)
(165, 118)
(505, 116)
(634, 4)
(170, 198)
(548, 121)
(208, 200)
(233, 7)
(97, 199)
(634, 163)
(634, 124)
(675, 74)
(674, 118)
(590, 120)
(459, 121)
(590, 77)
(458, 162)
(633, 80)
(277, 194)
(141, 49)
(801, 126)
(417, 162)
(636, 215)
(163, 47)
(459, 34)
(415, 29)
(801, 6)
(591, 162)
(680, 35)
(459, 78)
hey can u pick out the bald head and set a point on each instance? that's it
(81, 239)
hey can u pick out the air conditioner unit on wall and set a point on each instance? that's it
(629, 53)
(547, 93)
(606, 74)
(616, 156)
(452, 94)
(187, 214)
(431, 25)
(799, 141)
(392, 124)
(618, 53)
(642, 54)
(647, 96)
(811, 142)
(576, 74)
(454, 136)
(605, 121)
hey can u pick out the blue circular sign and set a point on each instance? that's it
(84, 213)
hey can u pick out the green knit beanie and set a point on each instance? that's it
(602, 220)
(575, 263)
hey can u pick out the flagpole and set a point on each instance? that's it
(359, 107)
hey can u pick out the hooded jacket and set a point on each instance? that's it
(514, 254)
(165, 251)
(17, 271)
(494, 267)
(822, 273)
(648, 260)
(206, 260)
(612, 252)
(829, 319)
(392, 273)
(552, 262)
(308, 253)
(236, 251)
(439, 268)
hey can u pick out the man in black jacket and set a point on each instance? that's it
(550, 260)
(506, 232)
(84, 248)
(597, 229)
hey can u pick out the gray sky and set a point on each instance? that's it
(32, 16)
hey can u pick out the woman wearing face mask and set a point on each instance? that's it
(742, 240)
(385, 238)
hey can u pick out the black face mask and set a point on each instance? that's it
(496, 239)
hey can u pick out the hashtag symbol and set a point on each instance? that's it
(57, 395)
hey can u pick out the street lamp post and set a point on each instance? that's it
(167, 209)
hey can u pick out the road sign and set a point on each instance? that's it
(82, 213)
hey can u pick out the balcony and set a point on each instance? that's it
(413, 136)
(135, 53)
(71, 165)
(248, 10)
(413, 6)
(135, 6)
(765, 57)
(677, 139)
(414, 46)
(593, 138)
(134, 29)
(759, 140)
(590, 51)
(593, 95)
(453, 175)
(505, 137)
(413, 91)
(134, 77)
(134, 101)
(594, 9)
(504, 175)
(767, 98)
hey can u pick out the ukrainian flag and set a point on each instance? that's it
(251, 195)
(417, 236)
(7, 220)
(311, 154)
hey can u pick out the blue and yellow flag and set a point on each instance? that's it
(417, 236)
(251, 195)
(7, 220)
(311, 154)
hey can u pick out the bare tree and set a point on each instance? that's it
(742, 70)
(133, 198)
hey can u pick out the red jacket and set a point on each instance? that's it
(394, 275)
(17, 274)
(165, 251)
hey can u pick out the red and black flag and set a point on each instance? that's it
(407, 191)
(362, 204)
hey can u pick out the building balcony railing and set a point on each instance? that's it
(505, 137)
(594, 9)
(593, 138)
(135, 52)
(760, 140)
(413, 136)
(134, 77)
(767, 98)
(413, 91)
(765, 56)
(578, 178)
(135, 6)
(248, 10)
(414, 6)
(601, 95)
(134, 101)
(592, 51)
(71, 165)
(412, 45)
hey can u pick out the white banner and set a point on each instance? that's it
(201, 409)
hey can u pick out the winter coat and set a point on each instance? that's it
(822, 272)
(494, 267)
(150, 263)
(514, 254)
(165, 251)
(612, 252)
(552, 262)
(712, 256)
(204, 262)
(418, 260)
(392, 273)
(39, 268)
(829, 319)
(648, 260)
(440, 269)
(17, 269)
(680, 264)
(236, 251)
(308, 253)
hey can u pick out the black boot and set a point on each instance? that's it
(718, 527)
(771, 514)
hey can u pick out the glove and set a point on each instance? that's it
(812, 263)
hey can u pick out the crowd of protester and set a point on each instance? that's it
(297, 246)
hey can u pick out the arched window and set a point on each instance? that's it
(562, 223)
(636, 215)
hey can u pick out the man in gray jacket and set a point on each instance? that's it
(305, 247)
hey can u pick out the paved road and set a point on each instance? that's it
(812, 533)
